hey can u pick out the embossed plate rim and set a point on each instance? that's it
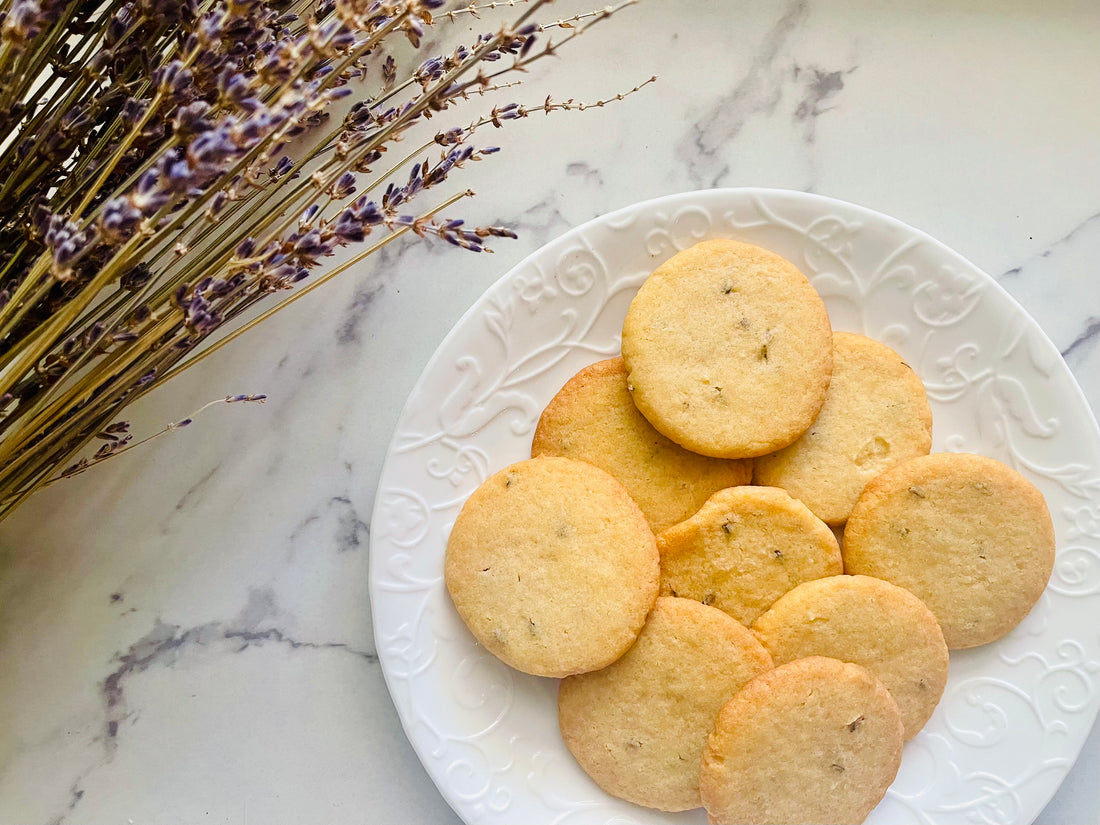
(494, 773)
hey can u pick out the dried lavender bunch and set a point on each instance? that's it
(168, 166)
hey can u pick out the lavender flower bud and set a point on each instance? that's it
(118, 220)
(344, 186)
(132, 111)
(281, 168)
(311, 246)
(348, 229)
(190, 120)
(23, 23)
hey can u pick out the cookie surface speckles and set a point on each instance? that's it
(552, 567)
(869, 622)
(812, 741)
(728, 349)
(593, 418)
(638, 727)
(745, 548)
(875, 416)
(966, 534)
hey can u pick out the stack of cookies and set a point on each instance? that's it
(734, 548)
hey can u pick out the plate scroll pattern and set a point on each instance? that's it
(1015, 713)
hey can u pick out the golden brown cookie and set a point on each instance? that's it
(814, 740)
(875, 416)
(728, 350)
(868, 622)
(593, 419)
(745, 548)
(552, 566)
(969, 536)
(638, 726)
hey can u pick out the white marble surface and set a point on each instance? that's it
(185, 633)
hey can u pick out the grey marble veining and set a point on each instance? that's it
(185, 633)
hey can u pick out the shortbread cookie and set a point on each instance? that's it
(728, 350)
(593, 418)
(638, 726)
(969, 536)
(875, 416)
(552, 566)
(869, 622)
(814, 740)
(745, 548)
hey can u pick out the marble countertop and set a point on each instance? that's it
(185, 633)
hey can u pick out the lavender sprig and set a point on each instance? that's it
(149, 195)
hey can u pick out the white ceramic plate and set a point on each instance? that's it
(1015, 713)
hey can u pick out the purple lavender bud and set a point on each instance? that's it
(311, 245)
(179, 177)
(245, 248)
(191, 119)
(148, 377)
(450, 137)
(211, 148)
(172, 78)
(430, 69)
(308, 216)
(210, 27)
(119, 219)
(232, 86)
(281, 168)
(344, 41)
(344, 186)
(368, 213)
(348, 229)
(23, 23)
(119, 24)
(528, 43)
(132, 111)
(180, 296)
(284, 272)
(300, 275)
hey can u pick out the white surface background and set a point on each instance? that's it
(185, 633)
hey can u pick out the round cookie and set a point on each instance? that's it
(728, 350)
(552, 567)
(969, 536)
(593, 419)
(814, 740)
(638, 726)
(875, 416)
(868, 622)
(745, 548)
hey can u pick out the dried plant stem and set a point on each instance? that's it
(312, 285)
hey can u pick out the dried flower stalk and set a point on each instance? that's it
(151, 200)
